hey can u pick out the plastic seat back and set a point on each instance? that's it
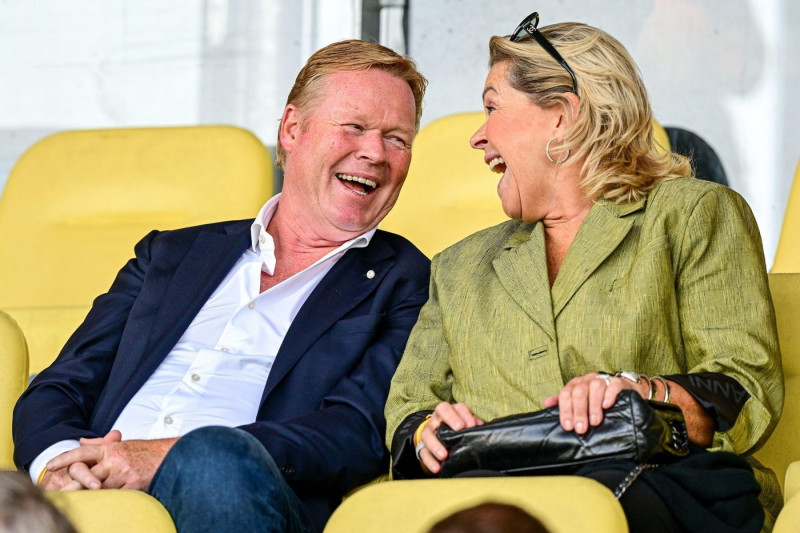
(787, 256)
(76, 203)
(450, 192)
(13, 380)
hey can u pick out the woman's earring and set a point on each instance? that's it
(547, 151)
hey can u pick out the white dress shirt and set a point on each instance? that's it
(215, 374)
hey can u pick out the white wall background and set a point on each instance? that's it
(725, 69)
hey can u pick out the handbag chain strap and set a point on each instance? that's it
(630, 478)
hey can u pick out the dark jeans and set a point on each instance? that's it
(222, 479)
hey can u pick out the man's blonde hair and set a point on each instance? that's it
(613, 128)
(351, 55)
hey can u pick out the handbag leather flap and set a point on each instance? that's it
(535, 443)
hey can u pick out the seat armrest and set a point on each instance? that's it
(792, 484)
(13, 380)
(121, 511)
(789, 518)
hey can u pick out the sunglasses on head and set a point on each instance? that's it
(528, 25)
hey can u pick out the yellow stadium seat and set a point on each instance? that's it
(781, 452)
(13, 380)
(120, 511)
(450, 193)
(73, 207)
(414, 506)
(76, 203)
(787, 256)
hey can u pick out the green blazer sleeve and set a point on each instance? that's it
(725, 312)
(425, 378)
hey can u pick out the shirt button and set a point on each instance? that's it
(262, 239)
(195, 377)
(168, 420)
(370, 274)
(251, 305)
(225, 349)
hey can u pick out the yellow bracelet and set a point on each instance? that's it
(418, 432)
(39, 481)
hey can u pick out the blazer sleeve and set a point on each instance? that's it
(424, 377)
(726, 315)
(338, 445)
(59, 403)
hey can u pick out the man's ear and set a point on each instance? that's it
(290, 127)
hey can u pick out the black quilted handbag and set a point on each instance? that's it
(633, 429)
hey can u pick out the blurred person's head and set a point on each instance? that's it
(24, 508)
(489, 518)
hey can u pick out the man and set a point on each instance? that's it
(238, 371)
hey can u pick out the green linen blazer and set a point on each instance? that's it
(672, 284)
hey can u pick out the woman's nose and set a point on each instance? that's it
(478, 139)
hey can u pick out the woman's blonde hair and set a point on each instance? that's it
(351, 55)
(613, 128)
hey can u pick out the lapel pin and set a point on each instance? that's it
(370, 274)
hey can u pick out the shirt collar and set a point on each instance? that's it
(262, 243)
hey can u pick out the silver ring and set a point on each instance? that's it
(605, 377)
(418, 449)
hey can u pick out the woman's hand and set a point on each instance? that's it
(583, 399)
(457, 416)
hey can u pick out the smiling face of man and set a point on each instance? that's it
(348, 153)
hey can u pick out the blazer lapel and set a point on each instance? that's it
(522, 270)
(199, 272)
(176, 290)
(342, 289)
(605, 227)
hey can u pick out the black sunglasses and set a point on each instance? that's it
(528, 25)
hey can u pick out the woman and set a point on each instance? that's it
(616, 260)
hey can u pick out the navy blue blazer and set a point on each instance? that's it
(321, 415)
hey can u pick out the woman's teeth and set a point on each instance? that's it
(497, 164)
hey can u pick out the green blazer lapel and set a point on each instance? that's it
(601, 233)
(522, 270)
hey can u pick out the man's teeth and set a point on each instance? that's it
(364, 181)
(495, 162)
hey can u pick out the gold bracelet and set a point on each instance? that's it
(41, 476)
(666, 387)
(418, 432)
